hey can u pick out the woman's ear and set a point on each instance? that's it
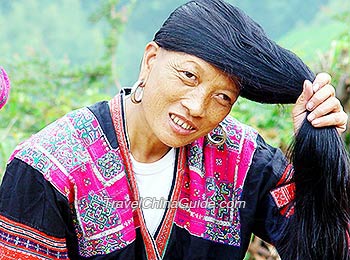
(149, 57)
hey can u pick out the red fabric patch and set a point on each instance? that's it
(284, 195)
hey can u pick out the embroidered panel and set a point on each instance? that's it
(284, 193)
(195, 157)
(284, 197)
(110, 167)
(18, 241)
(75, 156)
(210, 198)
(104, 218)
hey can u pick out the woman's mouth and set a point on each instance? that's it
(181, 123)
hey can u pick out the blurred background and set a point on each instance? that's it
(64, 54)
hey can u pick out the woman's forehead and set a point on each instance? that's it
(182, 58)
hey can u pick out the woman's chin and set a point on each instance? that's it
(177, 142)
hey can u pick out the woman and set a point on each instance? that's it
(4, 87)
(162, 171)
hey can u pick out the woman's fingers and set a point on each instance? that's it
(337, 119)
(332, 104)
(321, 80)
(325, 107)
(320, 96)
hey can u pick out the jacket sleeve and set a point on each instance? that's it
(271, 182)
(35, 219)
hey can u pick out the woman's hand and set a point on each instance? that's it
(325, 109)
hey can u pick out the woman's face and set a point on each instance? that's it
(184, 96)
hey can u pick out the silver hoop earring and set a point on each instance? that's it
(218, 136)
(137, 92)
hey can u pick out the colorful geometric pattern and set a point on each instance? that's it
(76, 158)
(213, 184)
(18, 241)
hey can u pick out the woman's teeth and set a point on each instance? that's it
(181, 123)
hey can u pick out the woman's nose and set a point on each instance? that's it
(195, 103)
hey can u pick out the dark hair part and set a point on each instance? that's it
(227, 38)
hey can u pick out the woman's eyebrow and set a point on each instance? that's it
(193, 63)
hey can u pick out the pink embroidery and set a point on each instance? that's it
(75, 156)
(214, 178)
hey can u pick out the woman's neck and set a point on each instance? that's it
(144, 145)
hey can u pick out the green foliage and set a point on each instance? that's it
(64, 54)
(108, 12)
(308, 40)
(43, 90)
(337, 62)
(53, 29)
(278, 17)
(273, 122)
(325, 45)
(45, 87)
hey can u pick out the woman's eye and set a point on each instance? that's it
(225, 98)
(189, 75)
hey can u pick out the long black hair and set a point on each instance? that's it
(226, 37)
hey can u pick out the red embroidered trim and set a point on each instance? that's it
(157, 248)
(286, 176)
(12, 253)
(119, 129)
(287, 211)
(164, 232)
(18, 241)
(283, 195)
